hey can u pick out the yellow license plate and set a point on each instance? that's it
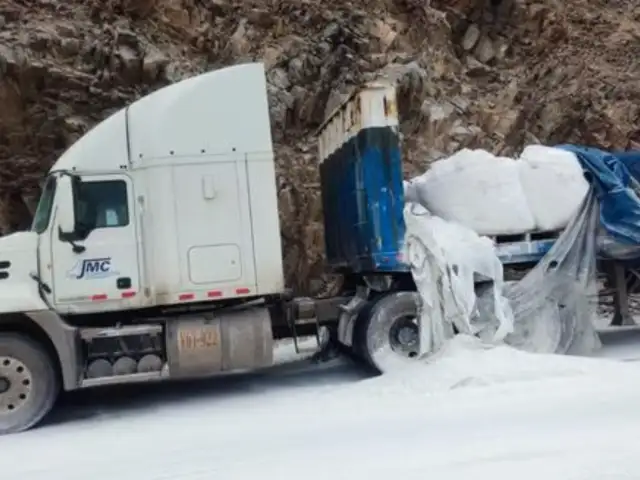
(198, 338)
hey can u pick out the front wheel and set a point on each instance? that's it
(28, 383)
(389, 334)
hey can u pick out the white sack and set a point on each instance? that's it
(553, 184)
(478, 190)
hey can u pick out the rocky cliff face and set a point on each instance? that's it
(494, 74)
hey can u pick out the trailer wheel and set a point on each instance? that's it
(28, 383)
(390, 331)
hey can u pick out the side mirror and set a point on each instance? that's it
(65, 211)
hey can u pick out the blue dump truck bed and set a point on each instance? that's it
(363, 200)
(361, 182)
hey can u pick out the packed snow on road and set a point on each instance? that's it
(473, 410)
(472, 406)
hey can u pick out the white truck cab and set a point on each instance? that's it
(169, 203)
(155, 250)
(170, 200)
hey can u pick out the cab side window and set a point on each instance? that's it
(101, 204)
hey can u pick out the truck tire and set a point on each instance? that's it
(389, 332)
(29, 384)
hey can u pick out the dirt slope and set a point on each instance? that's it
(488, 73)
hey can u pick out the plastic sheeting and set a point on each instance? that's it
(555, 304)
(550, 310)
(446, 259)
(616, 190)
(631, 160)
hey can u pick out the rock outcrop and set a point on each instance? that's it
(494, 74)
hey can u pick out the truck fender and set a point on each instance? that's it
(46, 326)
(349, 314)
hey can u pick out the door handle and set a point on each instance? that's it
(123, 283)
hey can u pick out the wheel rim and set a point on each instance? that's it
(15, 385)
(404, 336)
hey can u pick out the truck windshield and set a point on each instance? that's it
(45, 206)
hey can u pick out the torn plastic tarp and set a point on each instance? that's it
(446, 259)
(550, 310)
(555, 305)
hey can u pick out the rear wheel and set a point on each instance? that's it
(28, 383)
(389, 334)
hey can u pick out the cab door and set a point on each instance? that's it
(98, 270)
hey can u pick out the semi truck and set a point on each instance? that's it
(155, 249)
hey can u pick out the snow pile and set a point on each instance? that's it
(541, 190)
(467, 366)
(468, 362)
(472, 412)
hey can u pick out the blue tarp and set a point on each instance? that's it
(612, 175)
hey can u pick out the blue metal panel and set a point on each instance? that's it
(363, 199)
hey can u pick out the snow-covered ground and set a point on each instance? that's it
(474, 412)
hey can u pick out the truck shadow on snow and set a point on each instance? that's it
(125, 400)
